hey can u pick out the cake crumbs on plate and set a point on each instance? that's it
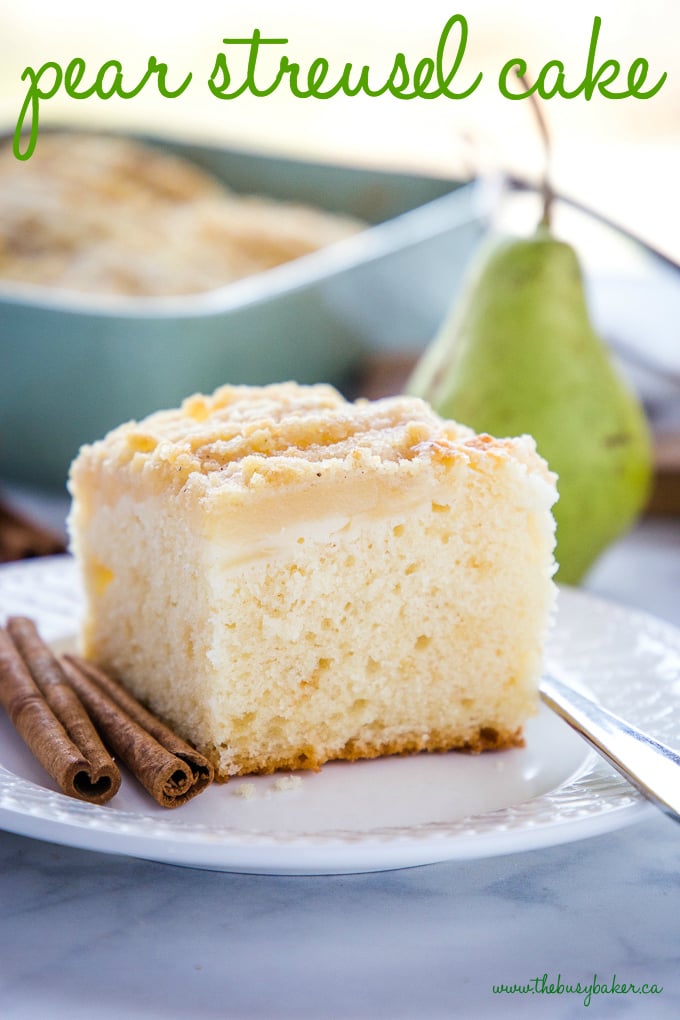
(245, 790)
(287, 783)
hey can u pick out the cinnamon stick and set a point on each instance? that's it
(21, 537)
(170, 769)
(50, 719)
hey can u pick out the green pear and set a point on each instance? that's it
(519, 355)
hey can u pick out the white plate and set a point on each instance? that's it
(374, 815)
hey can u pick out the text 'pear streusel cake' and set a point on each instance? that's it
(289, 578)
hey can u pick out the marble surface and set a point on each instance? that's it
(89, 935)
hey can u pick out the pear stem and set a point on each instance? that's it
(546, 186)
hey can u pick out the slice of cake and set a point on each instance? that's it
(288, 578)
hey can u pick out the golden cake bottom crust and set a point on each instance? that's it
(486, 738)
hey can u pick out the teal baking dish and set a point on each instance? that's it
(73, 366)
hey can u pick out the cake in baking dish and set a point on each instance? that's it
(288, 578)
(113, 215)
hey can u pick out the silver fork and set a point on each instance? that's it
(651, 767)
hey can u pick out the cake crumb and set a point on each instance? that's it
(245, 790)
(287, 783)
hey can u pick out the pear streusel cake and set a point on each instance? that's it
(289, 578)
(108, 215)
